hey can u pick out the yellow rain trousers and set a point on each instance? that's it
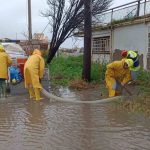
(31, 92)
(115, 74)
(35, 93)
(33, 72)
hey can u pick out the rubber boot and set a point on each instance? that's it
(31, 93)
(37, 94)
(1, 92)
(111, 93)
(2, 89)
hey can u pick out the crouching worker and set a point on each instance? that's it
(33, 72)
(118, 72)
(5, 62)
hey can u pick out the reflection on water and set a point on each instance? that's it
(29, 125)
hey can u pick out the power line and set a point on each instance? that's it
(45, 27)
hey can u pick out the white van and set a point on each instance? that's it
(17, 54)
(14, 50)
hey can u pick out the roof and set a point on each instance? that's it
(116, 24)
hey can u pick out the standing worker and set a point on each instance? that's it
(5, 62)
(118, 72)
(33, 73)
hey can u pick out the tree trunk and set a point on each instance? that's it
(87, 41)
(51, 54)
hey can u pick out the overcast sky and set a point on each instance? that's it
(14, 19)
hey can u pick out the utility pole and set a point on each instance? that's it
(138, 8)
(29, 21)
(87, 41)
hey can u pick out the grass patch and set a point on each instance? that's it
(68, 71)
(64, 69)
(143, 79)
(138, 105)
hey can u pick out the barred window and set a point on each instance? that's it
(101, 45)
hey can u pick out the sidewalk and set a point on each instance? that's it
(19, 89)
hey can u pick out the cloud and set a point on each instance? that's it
(14, 18)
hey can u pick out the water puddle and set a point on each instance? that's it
(83, 95)
(29, 125)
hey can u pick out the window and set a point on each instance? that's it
(101, 45)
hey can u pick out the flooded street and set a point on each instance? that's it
(29, 125)
(98, 49)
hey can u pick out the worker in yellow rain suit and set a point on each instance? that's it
(5, 62)
(118, 72)
(33, 72)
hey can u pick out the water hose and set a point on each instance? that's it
(59, 99)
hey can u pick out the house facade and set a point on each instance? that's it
(126, 27)
(133, 35)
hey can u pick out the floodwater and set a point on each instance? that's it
(29, 125)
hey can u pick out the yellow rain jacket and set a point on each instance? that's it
(116, 73)
(5, 62)
(34, 70)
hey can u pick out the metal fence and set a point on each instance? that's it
(126, 11)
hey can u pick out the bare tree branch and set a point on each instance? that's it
(66, 16)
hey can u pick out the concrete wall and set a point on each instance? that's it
(103, 33)
(133, 37)
(102, 58)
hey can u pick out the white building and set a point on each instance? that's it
(123, 29)
(133, 35)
